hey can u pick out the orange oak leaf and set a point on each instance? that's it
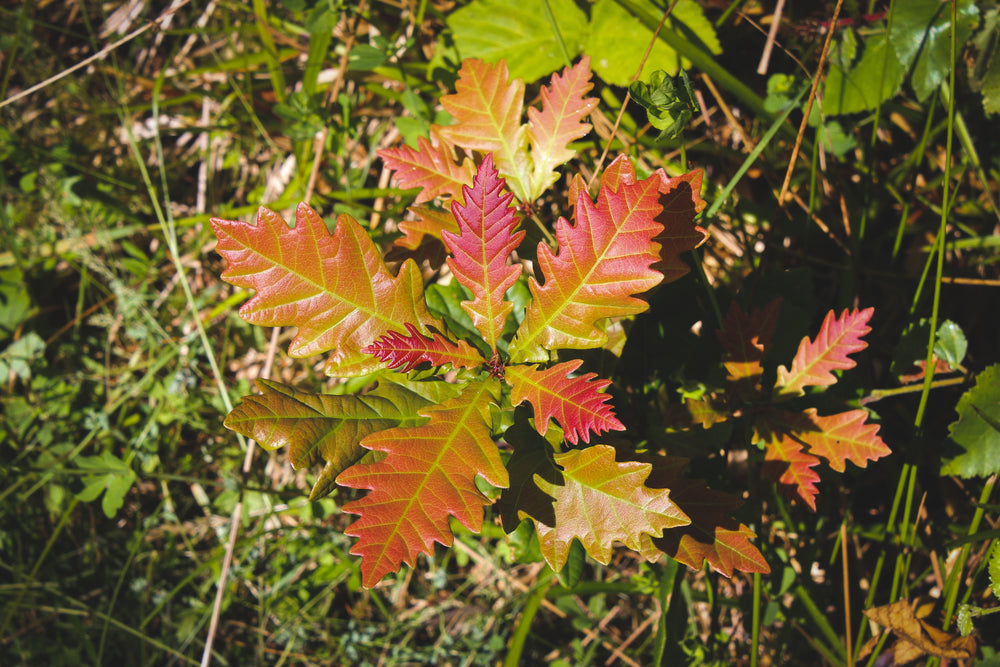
(481, 251)
(601, 501)
(334, 287)
(487, 107)
(681, 199)
(577, 403)
(427, 476)
(814, 361)
(603, 260)
(409, 351)
(559, 122)
(428, 222)
(431, 167)
(713, 536)
(842, 437)
(791, 468)
(323, 427)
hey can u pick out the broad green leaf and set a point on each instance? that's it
(487, 108)
(876, 77)
(994, 570)
(532, 456)
(618, 40)
(430, 167)
(334, 287)
(323, 427)
(814, 362)
(950, 344)
(559, 122)
(518, 32)
(409, 351)
(15, 302)
(924, 27)
(603, 260)
(576, 402)
(977, 429)
(109, 475)
(427, 476)
(481, 251)
(600, 502)
(985, 74)
(713, 536)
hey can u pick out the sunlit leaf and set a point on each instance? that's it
(815, 360)
(334, 287)
(427, 476)
(975, 431)
(601, 501)
(577, 403)
(409, 351)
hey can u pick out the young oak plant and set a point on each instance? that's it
(423, 442)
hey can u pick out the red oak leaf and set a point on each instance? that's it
(681, 199)
(602, 261)
(427, 476)
(713, 536)
(601, 501)
(559, 122)
(431, 167)
(814, 361)
(577, 403)
(787, 464)
(335, 288)
(481, 251)
(407, 352)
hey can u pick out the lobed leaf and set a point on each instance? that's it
(976, 432)
(577, 403)
(323, 427)
(746, 339)
(791, 468)
(713, 536)
(428, 475)
(603, 260)
(481, 251)
(407, 352)
(431, 167)
(429, 222)
(814, 362)
(559, 122)
(842, 437)
(335, 288)
(680, 197)
(487, 108)
(602, 501)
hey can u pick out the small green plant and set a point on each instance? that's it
(440, 433)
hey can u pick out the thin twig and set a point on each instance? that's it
(765, 57)
(808, 110)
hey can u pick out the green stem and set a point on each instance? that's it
(555, 31)
(527, 616)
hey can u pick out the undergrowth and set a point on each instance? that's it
(137, 530)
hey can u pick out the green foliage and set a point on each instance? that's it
(669, 101)
(977, 429)
(615, 41)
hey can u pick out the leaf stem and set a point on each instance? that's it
(555, 31)
(527, 616)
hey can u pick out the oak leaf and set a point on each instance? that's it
(427, 476)
(407, 352)
(600, 501)
(815, 360)
(431, 167)
(334, 287)
(577, 403)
